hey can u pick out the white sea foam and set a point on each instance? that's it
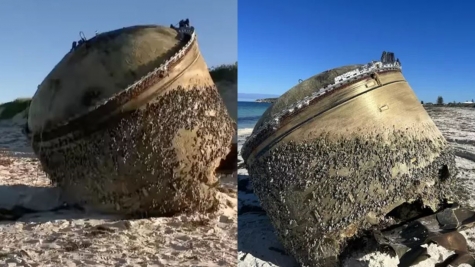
(245, 131)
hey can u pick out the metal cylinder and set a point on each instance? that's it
(130, 122)
(336, 153)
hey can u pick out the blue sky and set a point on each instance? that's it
(281, 42)
(35, 35)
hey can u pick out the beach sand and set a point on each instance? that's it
(83, 238)
(259, 247)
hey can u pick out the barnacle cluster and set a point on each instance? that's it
(338, 152)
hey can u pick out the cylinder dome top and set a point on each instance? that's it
(305, 93)
(97, 69)
(302, 90)
(325, 82)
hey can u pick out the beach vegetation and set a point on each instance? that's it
(440, 100)
(9, 109)
(225, 72)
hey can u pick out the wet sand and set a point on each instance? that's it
(79, 237)
(259, 246)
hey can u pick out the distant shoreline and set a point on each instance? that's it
(267, 100)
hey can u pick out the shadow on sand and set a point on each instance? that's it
(39, 204)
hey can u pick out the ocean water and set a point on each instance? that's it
(248, 115)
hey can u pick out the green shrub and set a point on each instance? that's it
(440, 100)
(225, 72)
(10, 109)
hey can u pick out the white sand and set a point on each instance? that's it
(77, 238)
(259, 247)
